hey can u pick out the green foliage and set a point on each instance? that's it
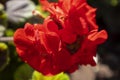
(9, 32)
(4, 57)
(3, 16)
(39, 76)
(12, 64)
(23, 72)
(3, 46)
(112, 2)
(3, 20)
(2, 29)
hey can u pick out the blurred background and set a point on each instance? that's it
(15, 13)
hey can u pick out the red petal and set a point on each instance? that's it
(68, 37)
(53, 41)
(66, 5)
(21, 40)
(29, 31)
(51, 26)
(98, 37)
(62, 59)
(44, 3)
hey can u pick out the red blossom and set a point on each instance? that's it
(68, 38)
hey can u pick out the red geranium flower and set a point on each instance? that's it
(68, 37)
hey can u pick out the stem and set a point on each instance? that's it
(6, 39)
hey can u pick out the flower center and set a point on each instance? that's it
(74, 47)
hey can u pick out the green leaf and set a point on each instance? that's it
(39, 76)
(24, 72)
(61, 76)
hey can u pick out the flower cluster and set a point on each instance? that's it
(67, 38)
